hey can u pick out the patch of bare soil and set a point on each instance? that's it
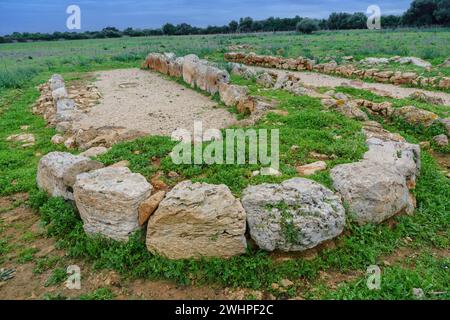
(21, 230)
(147, 102)
(386, 90)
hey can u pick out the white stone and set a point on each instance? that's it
(108, 200)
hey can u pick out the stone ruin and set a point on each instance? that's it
(61, 107)
(196, 220)
(203, 75)
(332, 67)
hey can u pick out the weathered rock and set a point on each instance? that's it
(446, 123)
(421, 96)
(372, 61)
(266, 80)
(148, 207)
(374, 192)
(108, 200)
(60, 93)
(94, 152)
(22, 138)
(57, 172)
(215, 77)
(312, 168)
(231, 94)
(66, 111)
(441, 140)
(444, 83)
(415, 61)
(295, 215)
(56, 82)
(347, 108)
(400, 156)
(197, 220)
(416, 116)
(57, 139)
(189, 68)
(373, 129)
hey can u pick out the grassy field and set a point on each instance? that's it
(23, 66)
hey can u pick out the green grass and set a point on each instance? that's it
(58, 276)
(306, 126)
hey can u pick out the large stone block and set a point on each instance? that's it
(197, 220)
(374, 191)
(57, 172)
(295, 215)
(108, 200)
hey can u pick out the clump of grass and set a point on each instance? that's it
(58, 276)
(16, 77)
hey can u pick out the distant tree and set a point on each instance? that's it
(169, 29)
(233, 25)
(245, 24)
(391, 21)
(442, 12)
(421, 13)
(110, 32)
(357, 21)
(307, 26)
(183, 29)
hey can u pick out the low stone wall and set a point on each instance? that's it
(356, 109)
(61, 106)
(347, 70)
(204, 76)
(195, 220)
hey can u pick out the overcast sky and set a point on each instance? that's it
(50, 15)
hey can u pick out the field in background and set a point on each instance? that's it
(19, 61)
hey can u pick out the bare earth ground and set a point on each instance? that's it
(386, 90)
(22, 229)
(145, 101)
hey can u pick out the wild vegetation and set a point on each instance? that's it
(425, 234)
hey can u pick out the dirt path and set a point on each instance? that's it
(386, 90)
(145, 101)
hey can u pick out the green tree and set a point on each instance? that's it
(169, 29)
(307, 26)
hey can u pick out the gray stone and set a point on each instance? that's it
(295, 215)
(401, 156)
(56, 82)
(60, 93)
(57, 171)
(441, 140)
(108, 200)
(373, 191)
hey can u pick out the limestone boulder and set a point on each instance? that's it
(416, 116)
(94, 152)
(441, 140)
(295, 215)
(57, 172)
(176, 67)
(108, 200)
(415, 61)
(60, 93)
(401, 156)
(190, 68)
(215, 77)
(197, 220)
(56, 82)
(373, 191)
(231, 94)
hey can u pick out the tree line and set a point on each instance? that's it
(421, 13)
